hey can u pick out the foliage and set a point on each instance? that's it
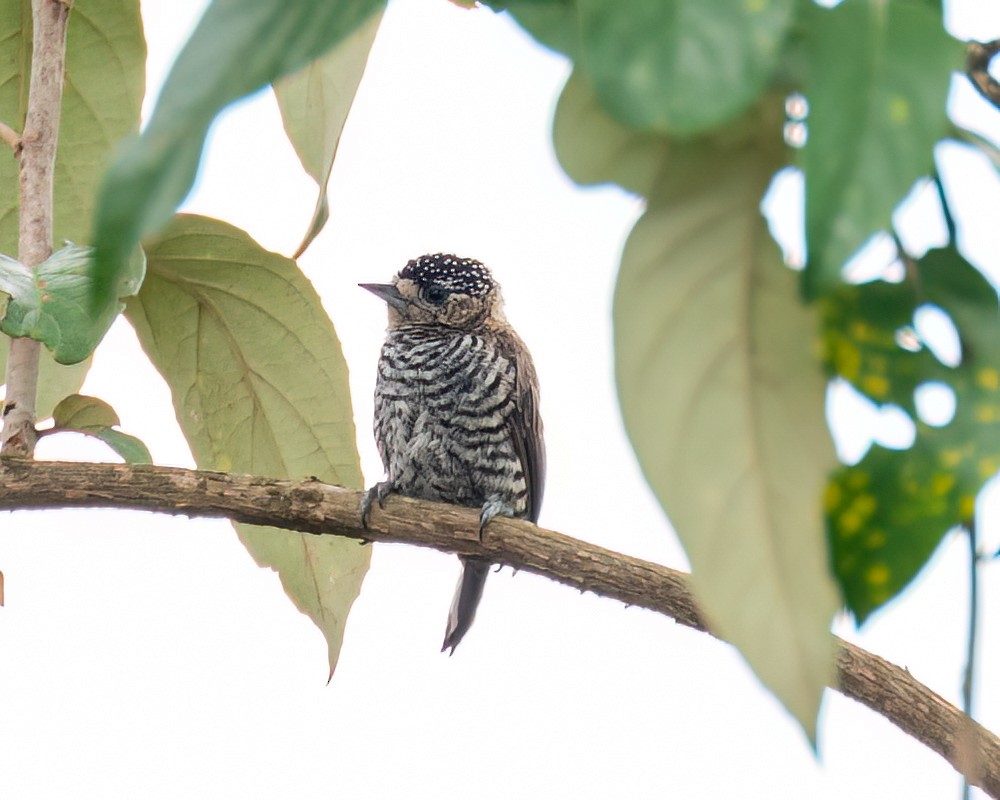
(276, 404)
(722, 352)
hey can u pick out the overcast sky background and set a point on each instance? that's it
(148, 657)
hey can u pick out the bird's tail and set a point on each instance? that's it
(467, 596)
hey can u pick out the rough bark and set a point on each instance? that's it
(319, 508)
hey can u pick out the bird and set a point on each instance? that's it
(456, 406)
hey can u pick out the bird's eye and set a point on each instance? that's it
(435, 295)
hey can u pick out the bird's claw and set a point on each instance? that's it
(492, 508)
(378, 492)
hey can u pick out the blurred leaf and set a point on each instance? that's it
(681, 66)
(102, 95)
(314, 104)
(592, 147)
(82, 411)
(723, 400)
(878, 78)
(552, 23)
(887, 514)
(260, 386)
(51, 303)
(860, 328)
(237, 48)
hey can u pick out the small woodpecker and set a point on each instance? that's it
(456, 406)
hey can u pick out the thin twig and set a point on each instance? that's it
(969, 678)
(11, 138)
(38, 160)
(319, 508)
(978, 56)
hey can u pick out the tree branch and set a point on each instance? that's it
(38, 164)
(978, 56)
(318, 508)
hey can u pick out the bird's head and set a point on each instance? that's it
(442, 289)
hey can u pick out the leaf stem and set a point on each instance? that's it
(38, 158)
(11, 137)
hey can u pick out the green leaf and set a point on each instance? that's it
(723, 399)
(553, 23)
(314, 104)
(887, 514)
(260, 386)
(132, 449)
(861, 325)
(237, 48)
(82, 411)
(681, 66)
(102, 95)
(52, 304)
(878, 78)
(593, 147)
(91, 416)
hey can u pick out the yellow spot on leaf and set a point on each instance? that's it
(877, 575)
(858, 480)
(875, 385)
(950, 458)
(848, 361)
(987, 467)
(875, 540)
(864, 505)
(942, 483)
(850, 523)
(899, 110)
(988, 378)
(755, 6)
(967, 507)
(986, 413)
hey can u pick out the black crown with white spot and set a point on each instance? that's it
(463, 275)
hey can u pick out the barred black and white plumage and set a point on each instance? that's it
(456, 405)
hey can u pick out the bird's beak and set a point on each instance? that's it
(387, 292)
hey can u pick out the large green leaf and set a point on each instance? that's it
(887, 513)
(260, 386)
(314, 104)
(237, 48)
(723, 399)
(877, 81)
(681, 66)
(102, 95)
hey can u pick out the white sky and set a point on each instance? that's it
(146, 657)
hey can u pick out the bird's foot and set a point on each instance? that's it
(378, 492)
(493, 508)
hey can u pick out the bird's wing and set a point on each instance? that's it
(525, 423)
